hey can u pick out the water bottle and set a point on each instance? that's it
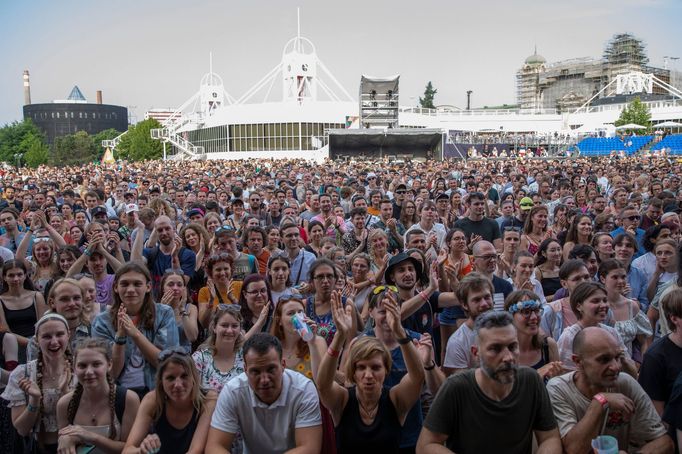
(301, 327)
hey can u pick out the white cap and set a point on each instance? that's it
(131, 207)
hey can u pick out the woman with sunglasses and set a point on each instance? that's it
(536, 349)
(20, 304)
(138, 327)
(43, 259)
(175, 418)
(535, 229)
(218, 288)
(547, 265)
(219, 359)
(369, 416)
(256, 304)
(580, 232)
(98, 415)
(630, 322)
(174, 295)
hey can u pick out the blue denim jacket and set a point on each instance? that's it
(165, 335)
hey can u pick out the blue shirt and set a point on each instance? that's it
(638, 285)
(163, 336)
(300, 267)
(164, 262)
(639, 236)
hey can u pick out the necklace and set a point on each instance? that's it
(368, 414)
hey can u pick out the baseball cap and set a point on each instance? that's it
(526, 203)
(97, 211)
(131, 207)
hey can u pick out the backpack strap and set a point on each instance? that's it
(120, 402)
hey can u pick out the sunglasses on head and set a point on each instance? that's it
(382, 288)
(179, 351)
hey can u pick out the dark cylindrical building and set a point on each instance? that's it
(60, 119)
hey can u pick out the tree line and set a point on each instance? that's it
(22, 142)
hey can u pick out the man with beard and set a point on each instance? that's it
(597, 399)
(497, 407)
(475, 293)
(331, 222)
(167, 255)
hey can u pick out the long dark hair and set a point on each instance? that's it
(11, 264)
(246, 311)
(148, 310)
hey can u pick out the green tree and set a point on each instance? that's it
(35, 151)
(13, 135)
(107, 134)
(74, 149)
(138, 144)
(635, 112)
(429, 93)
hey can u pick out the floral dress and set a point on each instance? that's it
(211, 377)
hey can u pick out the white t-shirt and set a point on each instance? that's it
(565, 343)
(267, 428)
(458, 350)
(570, 406)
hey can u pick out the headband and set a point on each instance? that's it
(49, 316)
(528, 304)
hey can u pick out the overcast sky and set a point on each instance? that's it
(152, 53)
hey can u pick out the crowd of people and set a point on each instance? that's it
(266, 306)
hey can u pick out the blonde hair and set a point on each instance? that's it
(67, 280)
(363, 349)
(209, 343)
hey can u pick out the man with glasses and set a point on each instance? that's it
(629, 221)
(257, 209)
(485, 263)
(273, 408)
(300, 259)
(398, 199)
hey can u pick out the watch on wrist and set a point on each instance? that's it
(405, 340)
(121, 340)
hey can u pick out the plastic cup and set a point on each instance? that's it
(605, 444)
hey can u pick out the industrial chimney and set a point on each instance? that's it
(27, 89)
(99, 96)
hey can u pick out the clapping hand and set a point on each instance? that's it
(342, 316)
(393, 315)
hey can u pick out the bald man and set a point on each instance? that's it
(168, 254)
(597, 396)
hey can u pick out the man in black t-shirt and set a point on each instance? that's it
(498, 396)
(477, 224)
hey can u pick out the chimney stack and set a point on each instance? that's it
(27, 89)
(99, 96)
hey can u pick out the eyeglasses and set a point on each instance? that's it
(260, 291)
(633, 218)
(400, 192)
(40, 239)
(324, 277)
(487, 257)
(223, 228)
(381, 288)
(179, 351)
(526, 313)
(510, 228)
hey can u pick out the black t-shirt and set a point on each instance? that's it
(422, 321)
(660, 368)
(477, 424)
(488, 229)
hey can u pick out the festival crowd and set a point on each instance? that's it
(501, 306)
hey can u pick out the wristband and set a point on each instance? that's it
(405, 340)
(87, 252)
(333, 353)
(431, 367)
(603, 401)
(121, 340)
(31, 408)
